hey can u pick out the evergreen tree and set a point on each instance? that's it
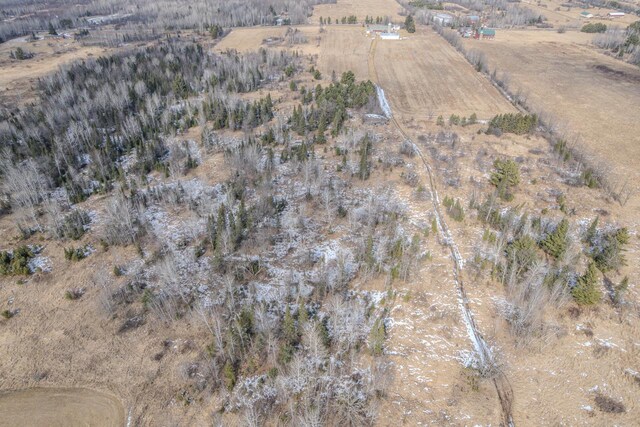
(52, 30)
(410, 24)
(585, 291)
(365, 152)
(505, 177)
(555, 244)
(377, 337)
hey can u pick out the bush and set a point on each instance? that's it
(16, 262)
(454, 208)
(74, 294)
(75, 254)
(594, 27)
(609, 405)
(229, 373)
(74, 225)
(8, 314)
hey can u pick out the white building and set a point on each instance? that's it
(390, 36)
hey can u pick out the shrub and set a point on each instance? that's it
(594, 27)
(454, 208)
(229, 372)
(608, 404)
(74, 294)
(74, 225)
(16, 262)
(75, 254)
(8, 314)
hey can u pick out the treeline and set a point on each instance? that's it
(95, 111)
(518, 123)
(594, 27)
(158, 15)
(624, 43)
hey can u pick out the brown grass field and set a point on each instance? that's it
(18, 78)
(559, 15)
(53, 407)
(590, 94)
(359, 8)
(425, 77)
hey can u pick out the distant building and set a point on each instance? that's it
(472, 20)
(485, 33)
(615, 14)
(586, 15)
(390, 36)
(378, 29)
(443, 19)
(466, 32)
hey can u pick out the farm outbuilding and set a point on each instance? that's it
(586, 15)
(485, 33)
(443, 19)
(390, 36)
(615, 14)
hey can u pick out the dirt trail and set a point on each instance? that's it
(483, 352)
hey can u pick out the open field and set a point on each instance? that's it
(337, 48)
(559, 15)
(590, 94)
(18, 78)
(425, 77)
(361, 9)
(52, 407)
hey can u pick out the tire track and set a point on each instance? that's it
(500, 381)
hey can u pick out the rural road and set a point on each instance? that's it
(486, 360)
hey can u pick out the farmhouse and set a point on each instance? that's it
(586, 15)
(385, 32)
(443, 19)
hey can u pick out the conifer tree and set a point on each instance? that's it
(586, 291)
(555, 244)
